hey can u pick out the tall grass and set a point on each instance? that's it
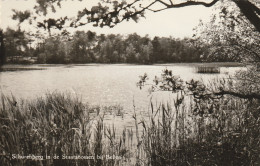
(175, 133)
(230, 135)
(55, 125)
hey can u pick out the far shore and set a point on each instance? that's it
(195, 64)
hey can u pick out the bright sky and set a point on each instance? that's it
(177, 22)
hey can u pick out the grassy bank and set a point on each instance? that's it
(62, 128)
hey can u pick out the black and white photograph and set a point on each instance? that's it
(129, 82)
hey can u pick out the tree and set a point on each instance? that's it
(21, 16)
(230, 37)
(112, 12)
(156, 49)
(130, 54)
(106, 51)
(244, 87)
(80, 48)
(16, 44)
(119, 47)
(52, 51)
(146, 53)
(2, 48)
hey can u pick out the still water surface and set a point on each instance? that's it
(97, 84)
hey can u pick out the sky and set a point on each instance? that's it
(177, 22)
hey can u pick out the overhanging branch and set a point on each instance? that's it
(184, 4)
(250, 11)
(240, 95)
(192, 3)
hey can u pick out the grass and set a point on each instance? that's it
(173, 134)
(228, 136)
(55, 125)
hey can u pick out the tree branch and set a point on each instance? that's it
(165, 4)
(250, 11)
(192, 3)
(256, 55)
(188, 3)
(256, 9)
(240, 95)
(248, 50)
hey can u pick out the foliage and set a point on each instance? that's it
(17, 44)
(207, 98)
(21, 16)
(80, 47)
(51, 51)
(213, 124)
(111, 12)
(247, 82)
(229, 35)
(88, 47)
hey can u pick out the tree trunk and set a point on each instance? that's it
(251, 12)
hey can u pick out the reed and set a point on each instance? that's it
(175, 133)
(56, 125)
(208, 69)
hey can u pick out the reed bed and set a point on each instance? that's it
(173, 134)
(178, 135)
(56, 129)
(208, 69)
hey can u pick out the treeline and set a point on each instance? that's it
(88, 47)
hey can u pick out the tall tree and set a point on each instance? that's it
(130, 54)
(146, 53)
(156, 50)
(2, 48)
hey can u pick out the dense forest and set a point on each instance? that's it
(88, 47)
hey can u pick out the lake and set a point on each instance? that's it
(98, 84)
